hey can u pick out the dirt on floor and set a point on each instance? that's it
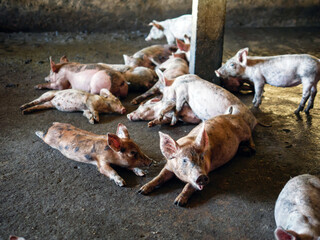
(44, 195)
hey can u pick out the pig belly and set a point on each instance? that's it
(70, 104)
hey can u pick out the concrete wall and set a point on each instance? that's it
(109, 15)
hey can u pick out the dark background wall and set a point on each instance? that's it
(110, 15)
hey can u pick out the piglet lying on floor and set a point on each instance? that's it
(86, 77)
(279, 71)
(297, 210)
(207, 147)
(99, 150)
(159, 53)
(72, 100)
(150, 109)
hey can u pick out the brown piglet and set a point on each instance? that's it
(100, 150)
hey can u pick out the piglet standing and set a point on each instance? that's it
(100, 150)
(86, 77)
(71, 100)
(159, 53)
(297, 210)
(207, 147)
(279, 71)
(171, 28)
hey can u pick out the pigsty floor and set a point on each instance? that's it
(46, 196)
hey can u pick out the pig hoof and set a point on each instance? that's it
(139, 172)
(151, 124)
(120, 183)
(134, 102)
(91, 121)
(180, 202)
(144, 190)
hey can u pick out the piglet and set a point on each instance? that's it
(86, 77)
(100, 150)
(207, 147)
(207, 100)
(236, 85)
(142, 58)
(71, 100)
(279, 71)
(172, 68)
(171, 28)
(297, 210)
(149, 110)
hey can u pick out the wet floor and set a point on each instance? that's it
(44, 195)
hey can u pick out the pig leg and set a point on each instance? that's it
(46, 105)
(186, 193)
(108, 171)
(154, 122)
(139, 172)
(89, 116)
(55, 86)
(305, 94)
(167, 107)
(311, 99)
(163, 176)
(152, 91)
(43, 98)
(258, 89)
(247, 148)
(179, 105)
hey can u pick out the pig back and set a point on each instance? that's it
(70, 100)
(208, 100)
(298, 205)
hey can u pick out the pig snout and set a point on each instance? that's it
(218, 74)
(148, 38)
(122, 110)
(201, 181)
(132, 116)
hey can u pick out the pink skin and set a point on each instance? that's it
(207, 147)
(279, 71)
(150, 109)
(86, 77)
(71, 100)
(99, 150)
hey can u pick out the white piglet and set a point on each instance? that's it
(297, 210)
(171, 28)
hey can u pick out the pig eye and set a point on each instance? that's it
(232, 64)
(133, 153)
(122, 84)
(122, 150)
(184, 160)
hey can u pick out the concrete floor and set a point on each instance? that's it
(46, 196)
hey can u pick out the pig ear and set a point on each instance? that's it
(202, 140)
(104, 92)
(53, 65)
(126, 59)
(181, 45)
(168, 146)
(157, 25)
(122, 131)
(242, 56)
(64, 59)
(114, 142)
(162, 78)
(282, 234)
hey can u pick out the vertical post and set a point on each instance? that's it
(208, 19)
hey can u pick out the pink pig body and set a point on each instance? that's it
(86, 77)
(208, 146)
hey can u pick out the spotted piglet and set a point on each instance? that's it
(100, 150)
(207, 147)
(71, 100)
(297, 210)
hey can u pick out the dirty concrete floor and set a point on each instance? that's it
(44, 195)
